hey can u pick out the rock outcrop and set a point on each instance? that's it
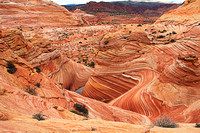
(32, 75)
(151, 76)
(188, 12)
(140, 73)
(35, 13)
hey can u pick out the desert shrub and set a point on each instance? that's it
(11, 67)
(154, 32)
(165, 122)
(81, 108)
(92, 129)
(76, 112)
(31, 91)
(172, 40)
(38, 116)
(130, 32)
(106, 42)
(85, 38)
(38, 85)
(161, 36)
(139, 25)
(80, 42)
(85, 60)
(197, 125)
(37, 69)
(91, 64)
(163, 31)
(174, 32)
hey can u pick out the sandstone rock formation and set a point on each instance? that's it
(48, 95)
(151, 76)
(188, 12)
(122, 12)
(141, 72)
(35, 13)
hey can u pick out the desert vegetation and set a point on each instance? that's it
(165, 122)
(31, 91)
(39, 116)
(11, 67)
(80, 110)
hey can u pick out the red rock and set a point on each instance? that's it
(162, 78)
(188, 12)
(38, 13)
(49, 95)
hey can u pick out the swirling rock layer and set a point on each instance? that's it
(151, 76)
(49, 96)
(35, 13)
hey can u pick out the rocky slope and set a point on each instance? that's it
(35, 13)
(151, 70)
(189, 12)
(141, 73)
(27, 81)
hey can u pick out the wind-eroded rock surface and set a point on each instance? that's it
(141, 72)
(34, 89)
(151, 71)
(35, 13)
(188, 12)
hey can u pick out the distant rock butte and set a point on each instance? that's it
(122, 7)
